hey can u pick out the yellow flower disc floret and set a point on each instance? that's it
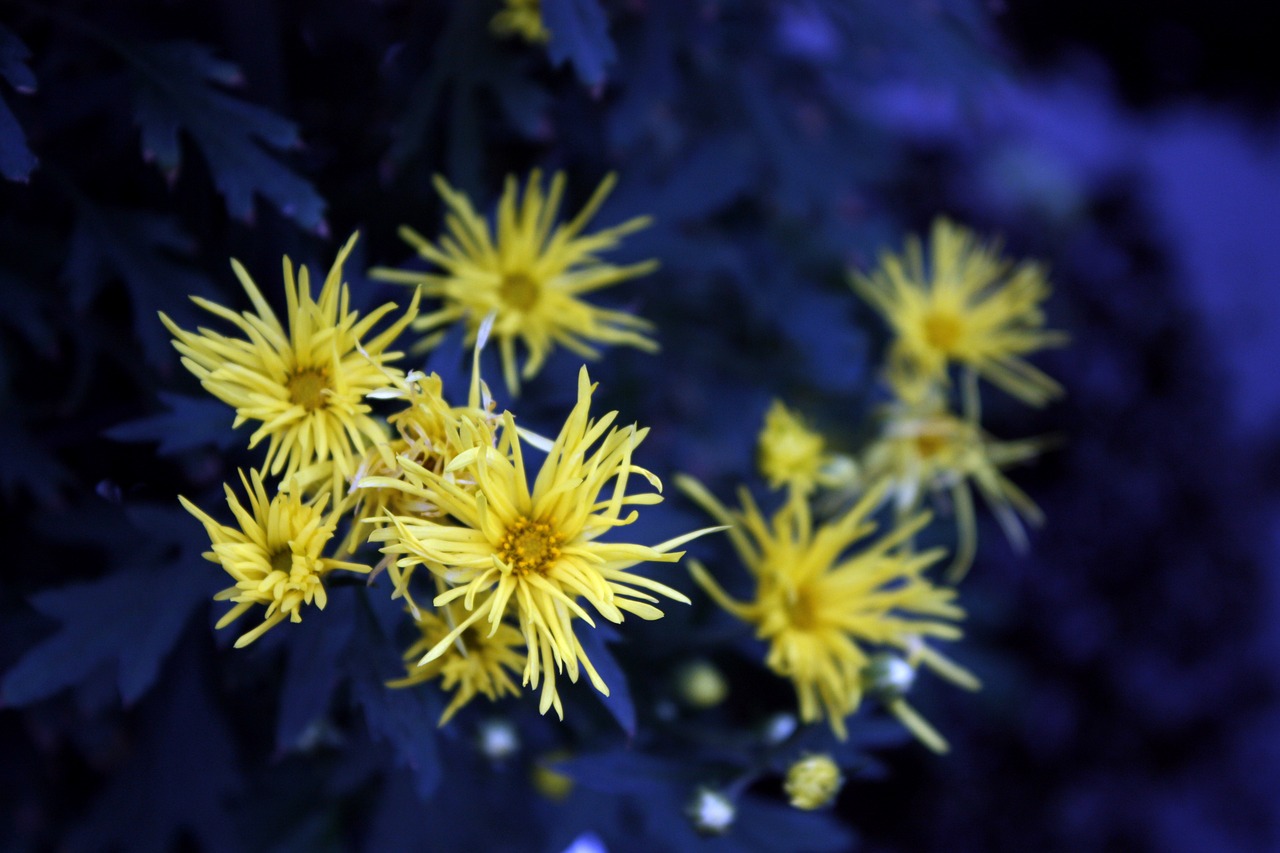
(305, 380)
(531, 275)
(969, 306)
(274, 555)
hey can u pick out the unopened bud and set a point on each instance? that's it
(711, 812)
(701, 685)
(813, 782)
(887, 676)
(779, 727)
(498, 739)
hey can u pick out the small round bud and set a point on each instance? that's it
(813, 782)
(888, 676)
(701, 685)
(779, 727)
(498, 739)
(711, 812)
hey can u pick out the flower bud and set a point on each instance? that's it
(887, 676)
(779, 727)
(711, 812)
(701, 685)
(498, 739)
(813, 782)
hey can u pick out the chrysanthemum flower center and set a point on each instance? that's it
(530, 546)
(307, 387)
(801, 609)
(942, 330)
(518, 290)
(929, 445)
(282, 561)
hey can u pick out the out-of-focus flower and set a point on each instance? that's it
(498, 739)
(532, 275)
(305, 381)
(711, 812)
(791, 454)
(813, 782)
(274, 555)
(969, 306)
(701, 685)
(474, 662)
(818, 607)
(521, 18)
(924, 449)
(549, 782)
(536, 551)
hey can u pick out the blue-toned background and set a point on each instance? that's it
(1130, 660)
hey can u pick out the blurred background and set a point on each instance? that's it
(1132, 695)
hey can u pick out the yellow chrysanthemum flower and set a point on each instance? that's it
(304, 381)
(536, 551)
(925, 449)
(274, 555)
(791, 454)
(426, 434)
(818, 607)
(477, 662)
(521, 18)
(531, 275)
(969, 306)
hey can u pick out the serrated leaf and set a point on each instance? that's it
(622, 771)
(406, 719)
(177, 777)
(16, 159)
(141, 249)
(618, 702)
(579, 34)
(315, 650)
(128, 620)
(469, 65)
(173, 93)
(187, 423)
(26, 464)
(26, 312)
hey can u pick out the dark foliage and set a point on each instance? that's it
(1131, 700)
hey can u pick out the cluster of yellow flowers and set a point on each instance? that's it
(515, 564)
(514, 567)
(847, 608)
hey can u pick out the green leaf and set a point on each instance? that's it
(187, 423)
(16, 159)
(618, 702)
(129, 620)
(580, 35)
(406, 719)
(173, 92)
(177, 776)
(141, 249)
